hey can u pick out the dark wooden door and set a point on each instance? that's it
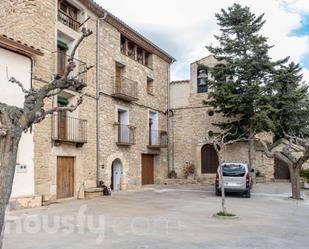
(61, 61)
(118, 77)
(281, 170)
(65, 177)
(210, 161)
(62, 125)
(147, 169)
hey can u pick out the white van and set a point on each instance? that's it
(236, 178)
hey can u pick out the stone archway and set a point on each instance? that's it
(210, 160)
(116, 173)
(107, 171)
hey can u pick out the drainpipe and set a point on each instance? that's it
(169, 165)
(98, 99)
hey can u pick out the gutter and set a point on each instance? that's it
(98, 177)
(170, 165)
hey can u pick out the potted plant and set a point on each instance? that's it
(305, 174)
(189, 171)
(172, 174)
(259, 177)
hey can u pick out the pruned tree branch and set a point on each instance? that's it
(14, 81)
(70, 108)
(71, 65)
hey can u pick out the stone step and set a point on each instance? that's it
(91, 193)
(25, 202)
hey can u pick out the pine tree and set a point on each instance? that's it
(290, 99)
(239, 90)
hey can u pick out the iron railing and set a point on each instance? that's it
(125, 134)
(124, 88)
(80, 71)
(157, 138)
(68, 129)
(68, 20)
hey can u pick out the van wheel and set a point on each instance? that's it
(248, 193)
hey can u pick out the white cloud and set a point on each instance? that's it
(189, 25)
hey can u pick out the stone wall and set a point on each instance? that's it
(190, 127)
(129, 156)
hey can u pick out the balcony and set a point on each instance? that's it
(125, 135)
(125, 89)
(69, 21)
(68, 130)
(62, 62)
(157, 139)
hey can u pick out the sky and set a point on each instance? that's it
(184, 27)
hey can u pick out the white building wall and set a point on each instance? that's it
(18, 66)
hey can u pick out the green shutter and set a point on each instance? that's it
(62, 45)
(62, 100)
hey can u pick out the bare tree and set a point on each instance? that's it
(219, 143)
(14, 120)
(294, 163)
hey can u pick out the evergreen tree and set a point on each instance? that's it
(290, 99)
(239, 90)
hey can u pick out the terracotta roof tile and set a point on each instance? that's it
(17, 44)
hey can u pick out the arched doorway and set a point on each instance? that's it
(116, 175)
(282, 171)
(210, 160)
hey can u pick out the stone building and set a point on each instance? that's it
(119, 134)
(192, 127)
(134, 79)
(64, 144)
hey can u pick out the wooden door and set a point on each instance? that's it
(62, 61)
(65, 177)
(118, 78)
(281, 170)
(62, 125)
(210, 160)
(147, 169)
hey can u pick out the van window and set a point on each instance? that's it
(234, 170)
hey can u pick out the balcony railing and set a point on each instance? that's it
(68, 129)
(125, 134)
(157, 139)
(62, 62)
(68, 20)
(124, 88)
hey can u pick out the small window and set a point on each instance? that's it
(211, 113)
(69, 10)
(150, 86)
(123, 45)
(131, 53)
(202, 79)
(210, 134)
(140, 55)
(135, 52)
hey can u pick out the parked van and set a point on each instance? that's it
(236, 178)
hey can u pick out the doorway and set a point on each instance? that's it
(282, 171)
(210, 160)
(116, 175)
(147, 169)
(65, 177)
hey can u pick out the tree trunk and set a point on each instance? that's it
(295, 182)
(252, 157)
(8, 154)
(220, 153)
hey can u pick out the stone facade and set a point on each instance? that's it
(37, 23)
(138, 111)
(192, 122)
